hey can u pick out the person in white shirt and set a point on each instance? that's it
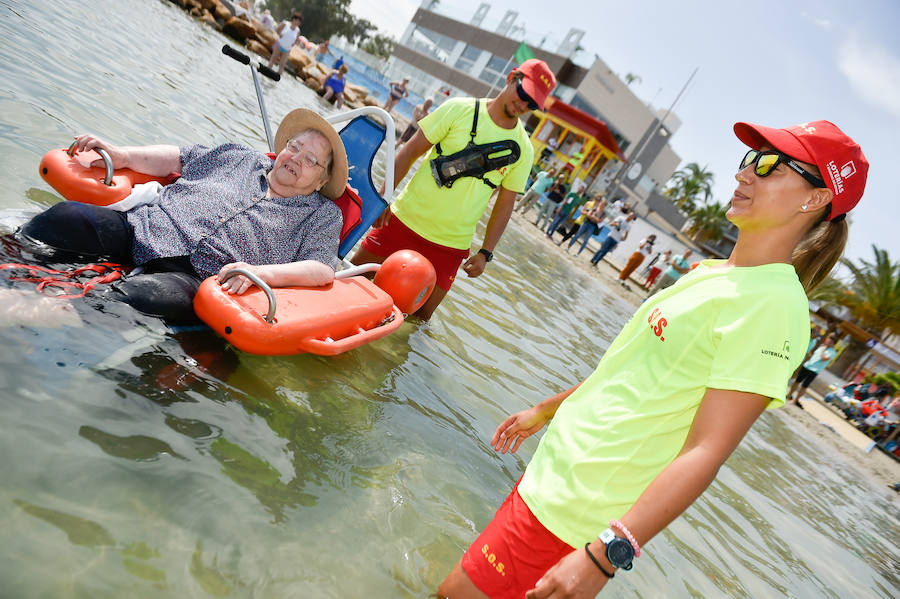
(618, 232)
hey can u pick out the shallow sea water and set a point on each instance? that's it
(142, 462)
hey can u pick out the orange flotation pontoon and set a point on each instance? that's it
(326, 320)
(70, 173)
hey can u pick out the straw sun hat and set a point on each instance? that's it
(301, 119)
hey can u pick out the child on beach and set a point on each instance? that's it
(632, 446)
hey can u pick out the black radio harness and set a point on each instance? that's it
(475, 160)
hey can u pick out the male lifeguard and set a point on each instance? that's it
(438, 219)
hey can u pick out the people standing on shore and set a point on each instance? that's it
(592, 215)
(564, 209)
(645, 248)
(552, 198)
(818, 360)
(333, 86)
(542, 181)
(678, 266)
(288, 37)
(657, 268)
(630, 448)
(419, 113)
(437, 212)
(618, 232)
(396, 92)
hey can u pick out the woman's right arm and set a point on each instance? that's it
(158, 160)
(522, 425)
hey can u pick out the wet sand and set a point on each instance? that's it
(875, 467)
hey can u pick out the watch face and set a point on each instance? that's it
(619, 552)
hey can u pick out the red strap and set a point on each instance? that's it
(105, 272)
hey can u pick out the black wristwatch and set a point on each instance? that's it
(619, 551)
(488, 254)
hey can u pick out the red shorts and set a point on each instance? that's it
(513, 552)
(396, 236)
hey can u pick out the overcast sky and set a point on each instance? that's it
(776, 64)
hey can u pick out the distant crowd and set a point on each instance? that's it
(579, 217)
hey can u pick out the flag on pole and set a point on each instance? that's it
(523, 53)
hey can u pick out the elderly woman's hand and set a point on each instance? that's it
(238, 284)
(87, 141)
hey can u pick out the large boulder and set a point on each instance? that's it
(265, 36)
(370, 101)
(298, 59)
(220, 11)
(351, 96)
(312, 83)
(238, 28)
(257, 48)
(209, 19)
(310, 72)
(359, 90)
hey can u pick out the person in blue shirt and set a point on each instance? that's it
(818, 360)
(677, 267)
(542, 183)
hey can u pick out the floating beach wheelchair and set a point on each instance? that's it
(326, 320)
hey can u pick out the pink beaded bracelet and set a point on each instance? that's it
(628, 535)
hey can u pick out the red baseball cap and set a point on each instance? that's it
(538, 81)
(839, 159)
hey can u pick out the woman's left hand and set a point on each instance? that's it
(572, 577)
(238, 284)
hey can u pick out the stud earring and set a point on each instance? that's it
(804, 207)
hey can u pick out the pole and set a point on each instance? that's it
(614, 183)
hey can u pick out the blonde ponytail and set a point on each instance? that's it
(819, 251)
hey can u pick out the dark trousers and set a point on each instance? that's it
(85, 233)
(606, 247)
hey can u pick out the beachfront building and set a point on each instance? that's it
(584, 145)
(437, 51)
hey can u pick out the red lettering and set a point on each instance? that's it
(660, 324)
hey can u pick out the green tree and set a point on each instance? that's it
(323, 18)
(379, 45)
(707, 223)
(689, 185)
(631, 78)
(874, 297)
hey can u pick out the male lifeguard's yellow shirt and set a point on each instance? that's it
(741, 329)
(448, 216)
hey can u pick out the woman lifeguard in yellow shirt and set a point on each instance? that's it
(632, 446)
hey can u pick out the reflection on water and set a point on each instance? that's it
(164, 463)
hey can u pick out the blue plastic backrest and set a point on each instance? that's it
(362, 137)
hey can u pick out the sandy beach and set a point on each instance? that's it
(814, 424)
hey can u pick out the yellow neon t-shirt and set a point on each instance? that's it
(448, 216)
(741, 329)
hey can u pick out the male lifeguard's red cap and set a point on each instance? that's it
(538, 81)
(840, 160)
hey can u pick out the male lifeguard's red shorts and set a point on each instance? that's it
(513, 552)
(396, 236)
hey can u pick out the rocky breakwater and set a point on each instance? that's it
(256, 38)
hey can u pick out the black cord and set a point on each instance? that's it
(597, 563)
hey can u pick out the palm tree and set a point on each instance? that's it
(830, 291)
(689, 184)
(873, 297)
(875, 293)
(707, 223)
